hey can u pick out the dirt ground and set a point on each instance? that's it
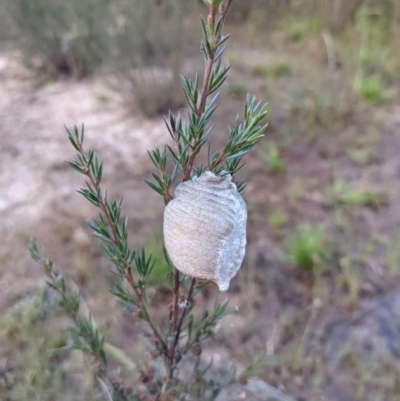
(36, 186)
(302, 320)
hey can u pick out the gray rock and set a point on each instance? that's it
(254, 390)
(362, 351)
(373, 329)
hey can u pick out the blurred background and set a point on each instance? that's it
(319, 290)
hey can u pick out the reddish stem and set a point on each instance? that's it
(175, 300)
(175, 312)
(220, 160)
(189, 167)
(179, 327)
(210, 62)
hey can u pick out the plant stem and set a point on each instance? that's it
(207, 74)
(175, 300)
(215, 37)
(209, 64)
(70, 312)
(179, 327)
(117, 242)
(174, 319)
(210, 61)
(204, 89)
(158, 335)
(189, 167)
(220, 160)
(176, 325)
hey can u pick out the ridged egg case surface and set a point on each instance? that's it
(205, 228)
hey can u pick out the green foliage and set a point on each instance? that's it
(276, 221)
(393, 255)
(153, 92)
(361, 148)
(309, 24)
(151, 33)
(132, 37)
(371, 89)
(208, 322)
(61, 37)
(278, 69)
(273, 159)
(242, 137)
(311, 16)
(33, 355)
(254, 368)
(312, 102)
(85, 336)
(161, 267)
(377, 63)
(306, 247)
(133, 271)
(190, 137)
(298, 30)
(349, 278)
(315, 26)
(238, 90)
(152, 40)
(345, 194)
(243, 9)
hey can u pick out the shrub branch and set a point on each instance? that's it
(133, 268)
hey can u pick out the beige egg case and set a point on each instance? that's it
(205, 228)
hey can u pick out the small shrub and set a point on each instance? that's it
(316, 102)
(276, 221)
(238, 90)
(306, 247)
(152, 90)
(258, 10)
(392, 259)
(371, 89)
(150, 43)
(259, 70)
(61, 37)
(361, 148)
(180, 332)
(297, 31)
(377, 63)
(278, 69)
(300, 24)
(25, 348)
(143, 43)
(346, 195)
(273, 159)
(349, 277)
(316, 26)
